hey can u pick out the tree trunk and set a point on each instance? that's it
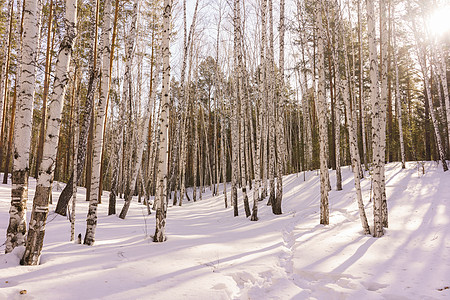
(378, 114)
(66, 194)
(397, 92)
(6, 81)
(35, 238)
(16, 231)
(161, 190)
(97, 146)
(322, 117)
(351, 116)
(281, 147)
(45, 94)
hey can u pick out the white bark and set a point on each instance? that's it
(322, 117)
(383, 104)
(187, 53)
(271, 108)
(162, 174)
(16, 231)
(91, 221)
(75, 154)
(35, 238)
(234, 109)
(378, 144)
(397, 94)
(442, 70)
(351, 116)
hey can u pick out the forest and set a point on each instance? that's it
(107, 106)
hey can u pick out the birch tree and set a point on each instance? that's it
(397, 91)
(162, 174)
(281, 147)
(378, 114)
(351, 116)
(99, 125)
(66, 194)
(15, 235)
(322, 116)
(35, 237)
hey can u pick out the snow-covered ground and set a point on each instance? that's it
(209, 254)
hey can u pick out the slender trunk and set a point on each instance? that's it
(397, 93)
(337, 101)
(66, 194)
(74, 166)
(271, 109)
(322, 117)
(111, 60)
(281, 147)
(234, 108)
(384, 102)
(161, 190)
(240, 101)
(351, 116)
(10, 135)
(263, 99)
(45, 93)
(94, 199)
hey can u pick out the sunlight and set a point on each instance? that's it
(438, 22)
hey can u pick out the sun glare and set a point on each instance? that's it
(439, 22)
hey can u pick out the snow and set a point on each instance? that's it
(209, 254)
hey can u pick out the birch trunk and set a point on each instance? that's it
(337, 106)
(351, 116)
(423, 67)
(361, 89)
(66, 194)
(259, 114)
(15, 234)
(240, 101)
(271, 110)
(378, 144)
(322, 117)
(74, 167)
(384, 100)
(45, 94)
(187, 53)
(195, 156)
(234, 110)
(161, 180)
(223, 151)
(442, 67)
(35, 237)
(140, 146)
(397, 93)
(94, 198)
(281, 147)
